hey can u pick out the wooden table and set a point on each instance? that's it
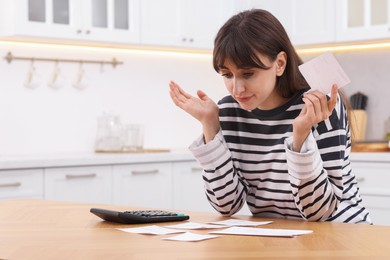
(37, 229)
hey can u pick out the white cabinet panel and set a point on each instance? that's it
(189, 192)
(306, 21)
(81, 184)
(21, 184)
(183, 23)
(374, 179)
(313, 22)
(114, 21)
(111, 20)
(143, 185)
(37, 18)
(362, 19)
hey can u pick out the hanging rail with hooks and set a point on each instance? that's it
(10, 57)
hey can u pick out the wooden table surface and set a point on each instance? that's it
(38, 229)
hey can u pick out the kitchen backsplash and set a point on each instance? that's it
(47, 120)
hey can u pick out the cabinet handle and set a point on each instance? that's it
(191, 40)
(78, 31)
(87, 32)
(360, 179)
(144, 171)
(10, 185)
(196, 169)
(184, 39)
(80, 176)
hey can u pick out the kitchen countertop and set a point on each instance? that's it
(87, 159)
(370, 156)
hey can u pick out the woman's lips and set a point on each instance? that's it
(243, 99)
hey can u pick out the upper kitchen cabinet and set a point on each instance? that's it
(114, 21)
(306, 21)
(363, 20)
(183, 23)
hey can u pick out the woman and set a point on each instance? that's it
(272, 143)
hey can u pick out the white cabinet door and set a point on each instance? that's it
(80, 184)
(114, 21)
(374, 179)
(189, 192)
(313, 22)
(41, 18)
(21, 184)
(362, 19)
(306, 21)
(183, 23)
(143, 185)
(281, 9)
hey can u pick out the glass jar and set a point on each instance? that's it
(109, 133)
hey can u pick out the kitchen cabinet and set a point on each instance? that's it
(95, 20)
(143, 185)
(306, 21)
(80, 184)
(188, 24)
(183, 23)
(21, 184)
(374, 179)
(189, 193)
(362, 20)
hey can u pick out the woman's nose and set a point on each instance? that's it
(238, 87)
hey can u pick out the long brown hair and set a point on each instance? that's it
(255, 31)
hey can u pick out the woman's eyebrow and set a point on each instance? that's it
(223, 67)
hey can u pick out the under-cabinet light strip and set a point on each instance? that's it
(185, 53)
(111, 49)
(344, 48)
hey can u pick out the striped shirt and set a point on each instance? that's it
(250, 160)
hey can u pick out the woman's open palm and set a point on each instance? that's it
(202, 107)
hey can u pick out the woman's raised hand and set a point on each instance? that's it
(317, 109)
(202, 108)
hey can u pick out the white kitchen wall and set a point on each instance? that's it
(45, 120)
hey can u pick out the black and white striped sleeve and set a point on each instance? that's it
(224, 187)
(316, 171)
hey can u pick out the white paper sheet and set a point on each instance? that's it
(324, 71)
(250, 231)
(151, 230)
(193, 225)
(239, 222)
(190, 237)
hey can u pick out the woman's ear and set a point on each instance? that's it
(281, 62)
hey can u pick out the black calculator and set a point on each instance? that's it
(138, 216)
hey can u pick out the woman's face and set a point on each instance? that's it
(253, 87)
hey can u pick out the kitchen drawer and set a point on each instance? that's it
(79, 184)
(143, 185)
(373, 178)
(379, 208)
(189, 191)
(21, 184)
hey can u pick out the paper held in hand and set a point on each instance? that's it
(324, 71)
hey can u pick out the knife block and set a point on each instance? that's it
(358, 123)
